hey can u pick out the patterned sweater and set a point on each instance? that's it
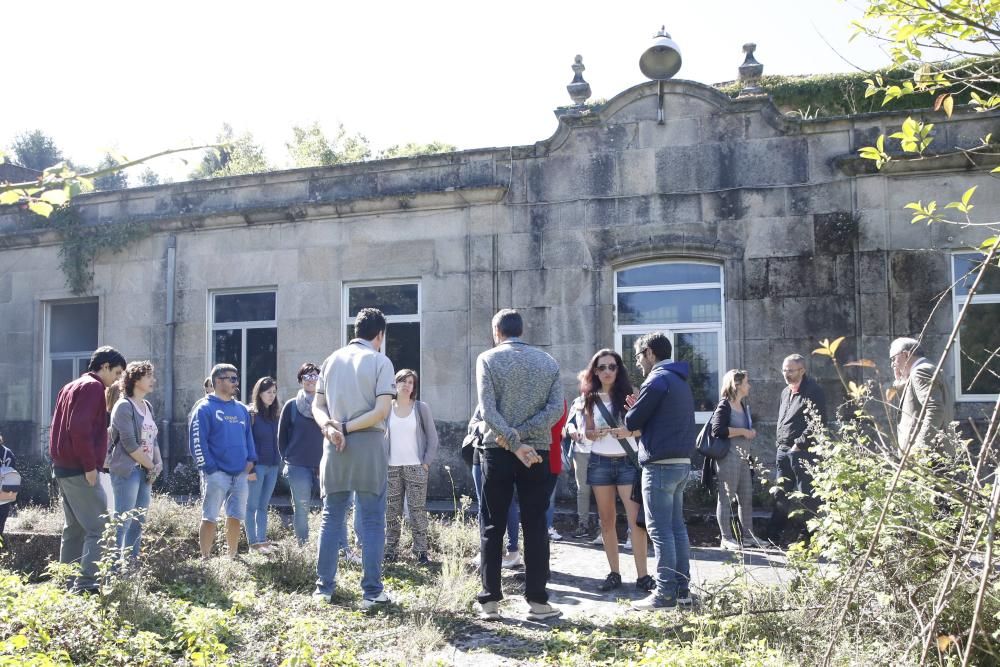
(519, 394)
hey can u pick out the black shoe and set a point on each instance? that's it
(422, 558)
(582, 531)
(684, 599)
(646, 583)
(611, 582)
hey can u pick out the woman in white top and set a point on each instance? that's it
(610, 470)
(134, 456)
(413, 442)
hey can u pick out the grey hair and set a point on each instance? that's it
(797, 358)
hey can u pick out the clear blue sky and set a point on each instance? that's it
(137, 77)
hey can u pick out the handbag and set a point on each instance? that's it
(471, 442)
(711, 447)
(636, 495)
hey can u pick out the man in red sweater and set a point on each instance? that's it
(78, 445)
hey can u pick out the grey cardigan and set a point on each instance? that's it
(427, 436)
(124, 436)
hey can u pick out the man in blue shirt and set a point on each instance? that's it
(664, 412)
(223, 449)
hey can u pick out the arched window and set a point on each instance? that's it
(683, 299)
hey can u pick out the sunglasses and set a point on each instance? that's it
(310, 376)
(608, 367)
(235, 379)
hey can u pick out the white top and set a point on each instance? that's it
(149, 430)
(608, 445)
(403, 432)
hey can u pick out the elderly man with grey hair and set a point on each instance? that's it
(920, 392)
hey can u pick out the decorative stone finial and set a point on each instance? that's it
(750, 73)
(579, 90)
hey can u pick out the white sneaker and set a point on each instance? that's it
(511, 560)
(730, 545)
(320, 596)
(599, 540)
(752, 543)
(382, 600)
(542, 612)
(554, 535)
(489, 611)
(628, 543)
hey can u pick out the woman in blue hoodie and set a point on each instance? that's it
(300, 443)
(264, 423)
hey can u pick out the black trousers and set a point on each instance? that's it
(4, 511)
(792, 476)
(502, 473)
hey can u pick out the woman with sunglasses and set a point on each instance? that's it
(300, 442)
(264, 423)
(604, 386)
(732, 421)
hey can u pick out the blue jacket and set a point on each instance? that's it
(664, 413)
(221, 437)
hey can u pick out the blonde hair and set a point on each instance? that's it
(730, 382)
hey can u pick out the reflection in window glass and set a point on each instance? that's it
(980, 339)
(390, 299)
(62, 373)
(262, 358)
(676, 273)
(967, 268)
(244, 307)
(670, 307)
(701, 351)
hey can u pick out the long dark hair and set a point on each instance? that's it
(257, 406)
(590, 384)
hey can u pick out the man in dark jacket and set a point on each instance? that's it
(800, 401)
(78, 445)
(664, 412)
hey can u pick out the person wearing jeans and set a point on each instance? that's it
(353, 399)
(134, 458)
(300, 443)
(664, 412)
(264, 422)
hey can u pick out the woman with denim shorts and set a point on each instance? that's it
(609, 469)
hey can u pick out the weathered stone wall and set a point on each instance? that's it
(813, 246)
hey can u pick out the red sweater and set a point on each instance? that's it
(555, 452)
(78, 439)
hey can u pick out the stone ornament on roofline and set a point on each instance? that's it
(750, 73)
(578, 89)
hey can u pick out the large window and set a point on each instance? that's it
(400, 303)
(245, 334)
(684, 300)
(72, 338)
(977, 366)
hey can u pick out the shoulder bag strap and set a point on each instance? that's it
(632, 458)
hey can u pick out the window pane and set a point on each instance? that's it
(390, 299)
(61, 374)
(701, 351)
(980, 338)
(628, 356)
(967, 268)
(697, 305)
(228, 347)
(402, 345)
(73, 327)
(669, 274)
(262, 358)
(249, 307)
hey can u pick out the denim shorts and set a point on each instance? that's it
(220, 486)
(610, 471)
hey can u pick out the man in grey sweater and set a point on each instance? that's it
(521, 398)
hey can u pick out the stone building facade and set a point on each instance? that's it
(745, 234)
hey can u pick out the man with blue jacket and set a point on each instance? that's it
(223, 449)
(664, 412)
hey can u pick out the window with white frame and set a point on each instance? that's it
(977, 364)
(400, 303)
(245, 334)
(683, 299)
(71, 340)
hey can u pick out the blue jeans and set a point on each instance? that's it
(663, 497)
(513, 515)
(370, 518)
(258, 500)
(131, 493)
(301, 480)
